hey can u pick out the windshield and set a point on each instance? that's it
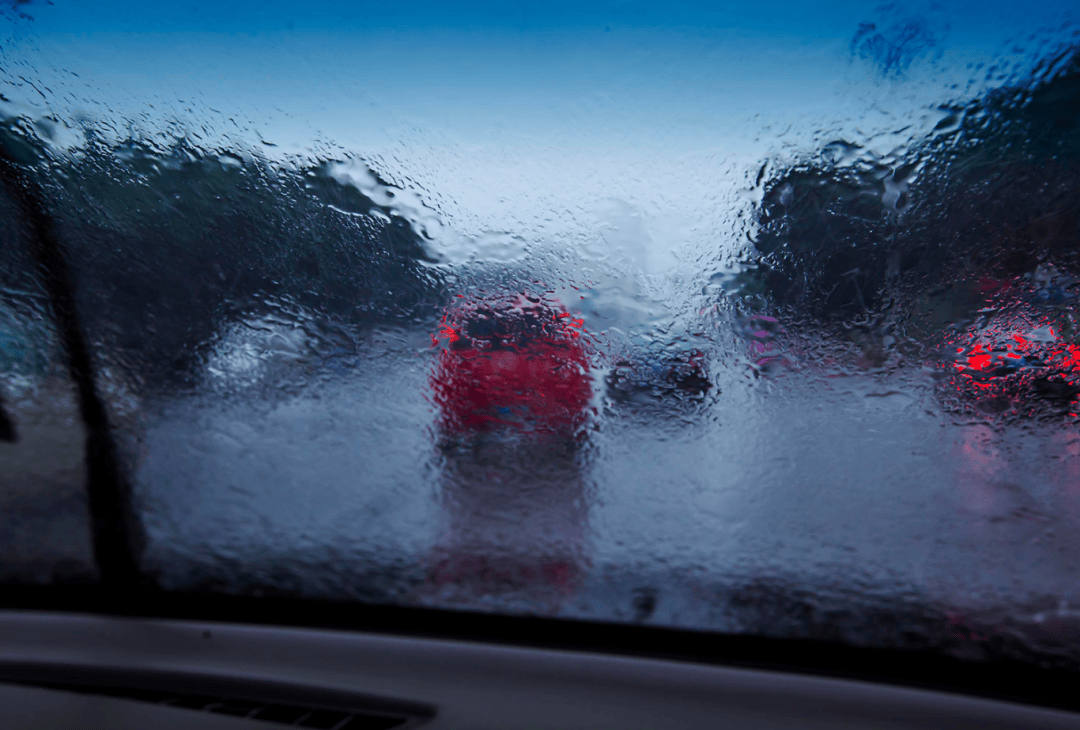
(751, 319)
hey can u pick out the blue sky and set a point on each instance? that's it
(132, 15)
(498, 70)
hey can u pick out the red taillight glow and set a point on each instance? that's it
(1015, 349)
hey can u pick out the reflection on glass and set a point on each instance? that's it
(513, 390)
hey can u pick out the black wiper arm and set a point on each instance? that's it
(7, 426)
(117, 532)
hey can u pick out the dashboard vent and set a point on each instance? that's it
(281, 714)
(293, 706)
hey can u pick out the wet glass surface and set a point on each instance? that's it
(697, 319)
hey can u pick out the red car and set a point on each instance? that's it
(512, 362)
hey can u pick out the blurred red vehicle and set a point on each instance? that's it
(1020, 353)
(517, 363)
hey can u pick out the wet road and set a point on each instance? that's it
(828, 486)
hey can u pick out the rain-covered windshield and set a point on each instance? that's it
(757, 319)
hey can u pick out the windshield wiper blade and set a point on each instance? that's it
(117, 532)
